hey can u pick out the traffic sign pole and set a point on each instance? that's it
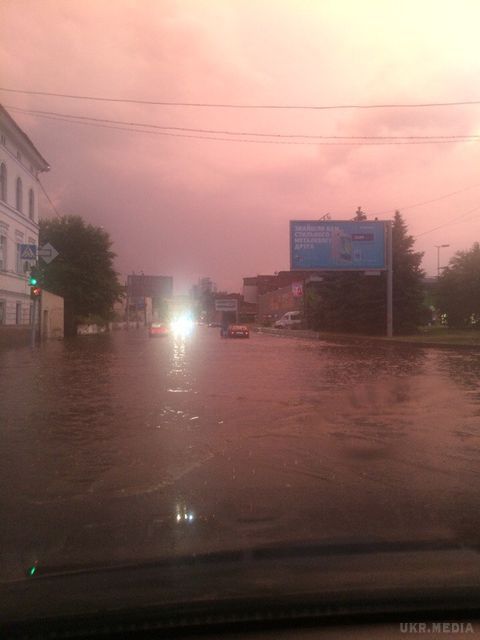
(34, 324)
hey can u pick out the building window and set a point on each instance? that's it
(20, 268)
(3, 252)
(19, 198)
(2, 312)
(3, 182)
(31, 205)
(4, 141)
(18, 313)
(19, 156)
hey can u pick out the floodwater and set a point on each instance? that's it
(120, 447)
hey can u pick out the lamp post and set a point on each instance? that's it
(438, 247)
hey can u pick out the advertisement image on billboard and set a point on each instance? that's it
(337, 245)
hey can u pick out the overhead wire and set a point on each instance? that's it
(54, 208)
(448, 223)
(424, 202)
(188, 133)
(160, 130)
(453, 221)
(239, 133)
(417, 204)
(232, 105)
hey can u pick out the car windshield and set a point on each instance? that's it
(239, 293)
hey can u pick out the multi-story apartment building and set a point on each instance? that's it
(20, 165)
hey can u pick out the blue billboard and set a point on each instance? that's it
(337, 245)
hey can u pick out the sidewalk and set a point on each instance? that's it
(433, 338)
(12, 335)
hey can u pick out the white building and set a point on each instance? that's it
(20, 164)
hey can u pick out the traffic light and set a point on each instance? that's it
(35, 282)
(36, 276)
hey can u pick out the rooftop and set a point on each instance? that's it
(10, 122)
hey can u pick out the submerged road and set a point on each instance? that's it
(124, 448)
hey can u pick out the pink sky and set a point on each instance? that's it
(192, 208)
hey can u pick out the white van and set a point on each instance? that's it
(289, 320)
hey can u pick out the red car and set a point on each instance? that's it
(238, 331)
(158, 329)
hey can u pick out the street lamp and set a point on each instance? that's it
(438, 247)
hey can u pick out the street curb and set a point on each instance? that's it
(289, 333)
(349, 338)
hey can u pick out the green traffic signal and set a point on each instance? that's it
(35, 277)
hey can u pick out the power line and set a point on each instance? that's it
(239, 133)
(49, 199)
(446, 195)
(446, 224)
(357, 142)
(452, 221)
(419, 204)
(231, 105)
(180, 135)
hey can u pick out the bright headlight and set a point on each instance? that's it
(182, 326)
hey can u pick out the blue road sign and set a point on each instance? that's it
(337, 245)
(28, 252)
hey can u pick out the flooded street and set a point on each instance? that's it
(120, 447)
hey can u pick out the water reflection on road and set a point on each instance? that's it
(120, 446)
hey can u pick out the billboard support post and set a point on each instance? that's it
(228, 305)
(389, 280)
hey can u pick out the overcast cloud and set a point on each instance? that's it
(189, 207)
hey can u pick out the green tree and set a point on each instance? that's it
(83, 273)
(360, 215)
(458, 293)
(356, 303)
(408, 288)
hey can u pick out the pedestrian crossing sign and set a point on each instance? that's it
(28, 252)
